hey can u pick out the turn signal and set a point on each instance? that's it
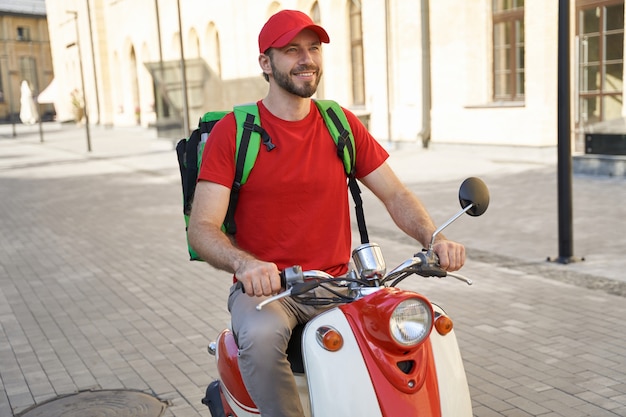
(329, 338)
(443, 324)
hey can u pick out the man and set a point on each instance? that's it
(294, 208)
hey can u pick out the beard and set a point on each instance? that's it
(284, 81)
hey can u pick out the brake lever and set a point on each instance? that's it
(295, 289)
(460, 278)
(273, 298)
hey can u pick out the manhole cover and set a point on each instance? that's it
(110, 403)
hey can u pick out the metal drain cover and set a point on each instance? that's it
(107, 403)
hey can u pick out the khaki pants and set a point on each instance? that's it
(262, 337)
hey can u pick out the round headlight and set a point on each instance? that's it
(411, 322)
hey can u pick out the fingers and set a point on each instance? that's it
(451, 255)
(262, 285)
(259, 278)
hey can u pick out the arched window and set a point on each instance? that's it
(508, 50)
(213, 52)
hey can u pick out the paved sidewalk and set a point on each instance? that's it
(96, 291)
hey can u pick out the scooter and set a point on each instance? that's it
(381, 352)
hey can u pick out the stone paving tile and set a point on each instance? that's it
(96, 290)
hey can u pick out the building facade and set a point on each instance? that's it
(495, 75)
(472, 72)
(24, 56)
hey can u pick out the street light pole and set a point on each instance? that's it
(93, 63)
(82, 78)
(184, 76)
(564, 163)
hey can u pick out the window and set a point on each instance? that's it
(23, 33)
(508, 50)
(601, 61)
(28, 71)
(1, 83)
(356, 43)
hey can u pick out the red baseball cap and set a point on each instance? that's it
(282, 27)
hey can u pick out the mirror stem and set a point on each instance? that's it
(446, 224)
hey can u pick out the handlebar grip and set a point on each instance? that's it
(433, 271)
(430, 264)
(288, 277)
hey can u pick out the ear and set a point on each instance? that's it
(264, 63)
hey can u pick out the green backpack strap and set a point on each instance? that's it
(250, 136)
(340, 130)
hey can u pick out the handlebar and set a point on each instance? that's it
(297, 282)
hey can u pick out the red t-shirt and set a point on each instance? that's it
(294, 208)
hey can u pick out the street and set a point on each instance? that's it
(97, 292)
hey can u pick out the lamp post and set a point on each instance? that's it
(183, 75)
(564, 166)
(82, 78)
(93, 63)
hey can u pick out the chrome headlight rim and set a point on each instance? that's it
(411, 322)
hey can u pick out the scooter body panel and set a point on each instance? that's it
(235, 398)
(404, 378)
(233, 391)
(454, 391)
(334, 377)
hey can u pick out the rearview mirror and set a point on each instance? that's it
(474, 192)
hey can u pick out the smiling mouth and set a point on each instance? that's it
(305, 71)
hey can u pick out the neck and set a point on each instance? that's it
(287, 106)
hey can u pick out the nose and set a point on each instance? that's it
(305, 57)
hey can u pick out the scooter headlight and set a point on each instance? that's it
(411, 322)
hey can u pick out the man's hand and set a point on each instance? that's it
(258, 278)
(451, 255)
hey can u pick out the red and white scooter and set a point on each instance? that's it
(383, 351)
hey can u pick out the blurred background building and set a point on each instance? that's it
(24, 56)
(468, 72)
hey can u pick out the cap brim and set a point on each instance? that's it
(287, 37)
